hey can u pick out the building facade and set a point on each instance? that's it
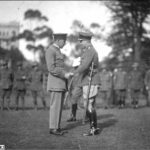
(7, 32)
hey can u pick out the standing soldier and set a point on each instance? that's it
(74, 81)
(147, 85)
(120, 85)
(106, 85)
(89, 57)
(36, 85)
(6, 79)
(136, 84)
(20, 85)
(56, 83)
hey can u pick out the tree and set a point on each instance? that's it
(38, 31)
(128, 32)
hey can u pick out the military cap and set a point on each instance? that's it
(85, 36)
(19, 64)
(60, 36)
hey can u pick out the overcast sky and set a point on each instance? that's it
(61, 15)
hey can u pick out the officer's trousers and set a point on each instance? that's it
(56, 104)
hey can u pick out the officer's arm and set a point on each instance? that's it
(86, 62)
(50, 60)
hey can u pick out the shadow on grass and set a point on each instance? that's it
(106, 124)
(79, 122)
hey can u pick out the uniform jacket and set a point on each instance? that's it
(136, 80)
(36, 80)
(106, 81)
(147, 79)
(19, 80)
(120, 80)
(6, 78)
(55, 64)
(89, 56)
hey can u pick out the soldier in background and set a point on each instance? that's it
(74, 101)
(6, 80)
(147, 85)
(20, 85)
(120, 85)
(136, 82)
(106, 85)
(36, 86)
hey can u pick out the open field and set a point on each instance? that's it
(126, 129)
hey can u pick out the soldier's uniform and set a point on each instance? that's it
(19, 85)
(73, 84)
(120, 86)
(136, 83)
(36, 86)
(106, 85)
(89, 56)
(56, 83)
(6, 80)
(147, 84)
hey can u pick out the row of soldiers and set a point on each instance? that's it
(17, 82)
(122, 82)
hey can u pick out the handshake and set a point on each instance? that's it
(68, 75)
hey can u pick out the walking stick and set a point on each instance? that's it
(68, 92)
(88, 92)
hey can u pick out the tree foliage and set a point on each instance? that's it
(128, 32)
(36, 34)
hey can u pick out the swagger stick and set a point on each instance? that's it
(68, 92)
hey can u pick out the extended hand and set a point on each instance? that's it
(68, 75)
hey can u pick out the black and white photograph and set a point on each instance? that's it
(75, 75)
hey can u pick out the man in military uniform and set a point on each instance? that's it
(6, 79)
(147, 85)
(20, 85)
(88, 57)
(120, 85)
(106, 85)
(74, 82)
(36, 85)
(56, 83)
(136, 82)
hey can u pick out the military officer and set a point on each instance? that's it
(74, 82)
(147, 85)
(36, 85)
(6, 79)
(56, 83)
(89, 56)
(20, 85)
(106, 85)
(136, 82)
(120, 85)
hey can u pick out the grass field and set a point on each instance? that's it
(125, 129)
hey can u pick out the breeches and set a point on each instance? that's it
(19, 94)
(135, 94)
(79, 92)
(5, 93)
(105, 95)
(120, 94)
